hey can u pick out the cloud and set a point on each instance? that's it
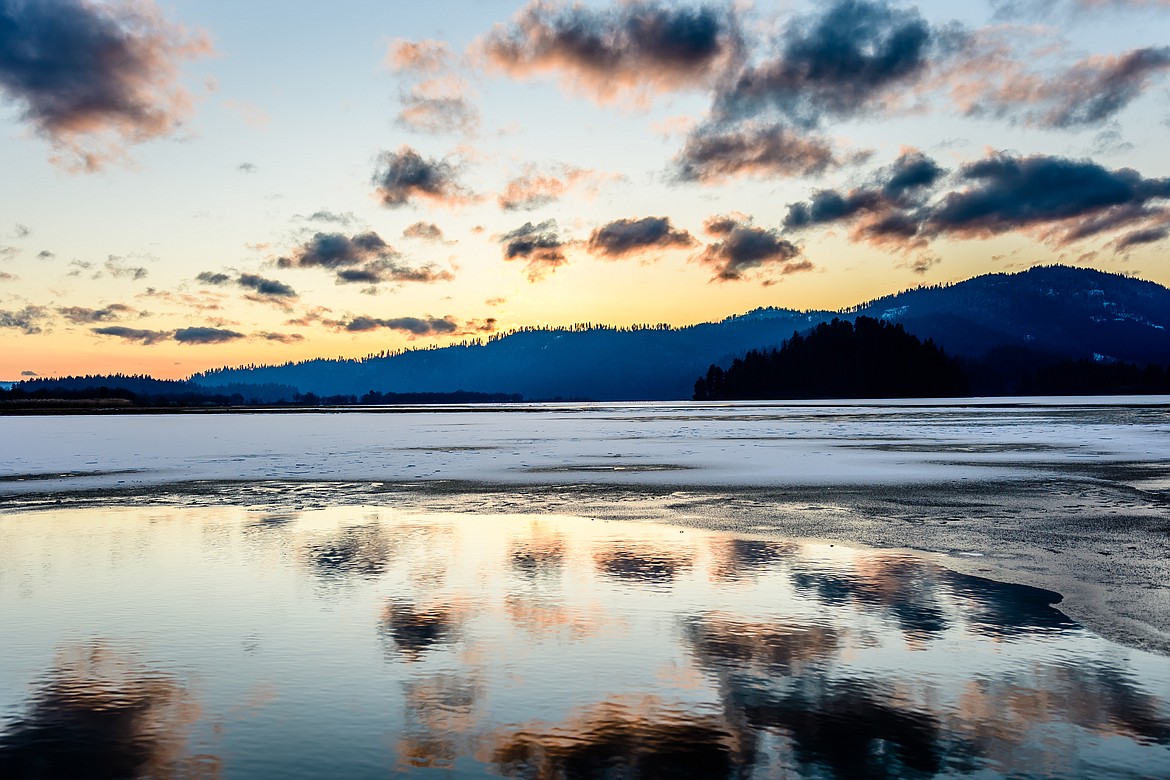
(45, 254)
(7, 277)
(1090, 92)
(117, 269)
(417, 327)
(423, 231)
(27, 319)
(628, 51)
(29, 373)
(206, 335)
(537, 187)
(714, 154)
(94, 78)
(625, 237)
(363, 258)
(881, 211)
(744, 247)
(1056, 199)
(246, 167)
(345, 218)
(1069, 199)
(427, 56)
(80, 315)
(269, 288)
(21, 231)
(539, 245)
(838, 63)
(283, 338)
(146, 337)
(216, 278)
(403, 176)
(439, 105)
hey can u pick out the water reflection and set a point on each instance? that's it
(537, 648)
(101, 713)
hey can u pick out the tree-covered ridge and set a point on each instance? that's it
(867, 358)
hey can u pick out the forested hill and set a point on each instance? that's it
(866, 358)
(1042, 315)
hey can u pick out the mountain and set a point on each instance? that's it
(1004, 323)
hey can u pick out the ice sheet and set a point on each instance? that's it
(707, 445)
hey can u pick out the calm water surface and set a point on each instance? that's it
(374, 642)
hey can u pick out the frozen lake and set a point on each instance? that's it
(358, 641)
(665, 444)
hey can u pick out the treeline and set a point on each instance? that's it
(867, 358)
(140, 391)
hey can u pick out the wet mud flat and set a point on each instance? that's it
(358, 630)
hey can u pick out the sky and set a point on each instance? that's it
(202, 183)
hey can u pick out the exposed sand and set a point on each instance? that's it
(1070, 498)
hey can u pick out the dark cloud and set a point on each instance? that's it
(1077, 198)
(744, 247)
(363, 258)
(246, 167)
(404, 176)
(79, 315)
(283, 338)
(713, 154)
(29, 373)
(45, 254)
(93, 78)
(27, 319)
(841, 61)
(205, 335)
(633, 49)
(7, 277)
(419, 326)
(211, 277)
(1088, 93)
(624, 237)
(1060, 200)
(134, 334)
(883, 210)
(424, 231)
(270, 288)
(539, 245)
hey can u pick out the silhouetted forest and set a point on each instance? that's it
(140, 391)
(866, 358)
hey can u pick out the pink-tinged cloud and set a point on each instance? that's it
(537, 187)
(992, 80)
(713, 154)
(95, 78)
(442, 104)
(426, 56)
(629, 51)
(745, 249)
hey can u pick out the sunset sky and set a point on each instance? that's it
(196, 184)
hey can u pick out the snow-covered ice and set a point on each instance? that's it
(702, 445)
